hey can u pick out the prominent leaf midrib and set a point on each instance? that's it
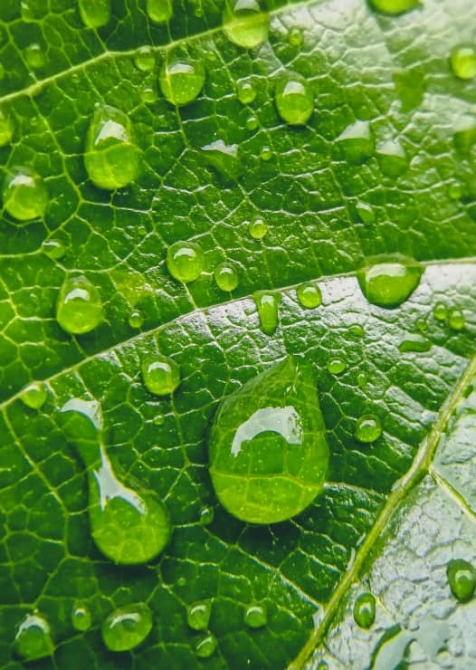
(420, 466)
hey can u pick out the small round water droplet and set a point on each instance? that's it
(79, 308)
(309, 295)
(135, 319)
(440, 311)
(455, 191)
(95, 13)
(266, 153)
(461, 578)
(54, 249)
(206, 646)
(365, 212)
(33, 639)
(336, 366)
(24, 194)
(456, 319)
(181, 81)
(35, 56)
(295, 37)
(185, 261)
(145, 59)
(294, 100)
(258, 228)
(255, 616)
(226, 277)
(127, 627)
(463, 61)
(394, 7)
(206, 516)
(368, 429)
(246, 92)
(364, 610)
(34, 395)
(252, 122)
(160, 11)
(389, 283)
(357, 329)
(198, 615)
(161, 375)
(149, 93)
(361, 379)
(244, 23)
(81, 618)
(6, 127)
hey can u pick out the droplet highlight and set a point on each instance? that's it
(24, 194)
(79, 309)
(161, 375)
(181, 81)
(127, 627)
(390, 283)
(245, 23)
(294, 100)
(364, 610)
(309, 295)
(185, 261)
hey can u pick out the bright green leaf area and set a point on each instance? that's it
(389, 520)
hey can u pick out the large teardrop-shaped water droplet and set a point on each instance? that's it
(267, 446)
(160, 11)
(356, 143)
(267, 304)
(294, 100)
(392, 159)
(181, 81)
(127, 627)
(33, 639)
(95, 13)
(390, 281)
(111, 157)
(245, 23)
(394, 7)
(128, 527)
(24, 194)
(79, 308)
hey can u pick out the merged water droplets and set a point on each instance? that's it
(24, 194)
(267, 445)
(181, 81)
(79, 308)
(95, 13)
(161, 375)
(127, 627)
(294, 100)
(159, 11)
(245, 23)
(33, 639)
(390, 281)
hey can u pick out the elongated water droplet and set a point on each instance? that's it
(95, 13)
(6, 128)
(127, 627)
(255, 616)
(267, 445)
(111, 157)
(206, 646)
(463, 61)
(145, 59)
(81, 618)
(295, 37)
(368, 429)
(24, 194)
(456, 319)
(294, 100)
(185, 261)
(356, 143)
(414, 343)
(136, 319)
(34, 395)
(181, 81)
(440, 311)
(226, 277)
(127, 527)
(160, 11)
(392, 159)
(198, 615)
(267, 304)
(365, 211)
(54, 249)
(246, 92)
(394, 7)
(244, 23)
(390, 282)
(161, 375)
(258, 228)
(364, 610)
(461, 578)
(336, 366)
(33, 639)
(309, 295)
(79, 308)
(224, 158)
(35, 56)
(206, 516)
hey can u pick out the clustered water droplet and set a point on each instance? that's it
(309, 295)
(267, 304)
(33, 639)
(81, 618)
(258, 228)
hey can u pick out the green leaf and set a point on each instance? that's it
(385, 165)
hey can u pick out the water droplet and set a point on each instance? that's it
(364, 610)
(33, 639)
(461, 578)
(463, 61)
(127, 627)
(267, 445)
(226, 277)
(368, 429)
(258, 228)
(95, 13)
(135, 319)
(389, 283)
(161, 375)
(356, 143)
(309, 295)
(246, 92)
(295, 37)
(394, 7)
(206, 646)
(34, 395)
(455, 191)
(357, 329)
(421, 325)
(294, 100)
(252, 122)
(392, 159)
(245, 24)
(414, 343)
(149, 93)
(81, 618)
(54, 249)
(24, 194)
(266, 153)
(111, 157)
(79, 308)
(145, 59)
(206, 515)
(336, 366)
(255, 616)
(464, 138)
(198, 615)
(440, 311)
(6, 128)
(185, 261)
(365, 211)
(127, 527)
(361, 379)
(224, 158)
(160, 11)
(267, 304)
(35, 56)
(456, 319)
(181, 81)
